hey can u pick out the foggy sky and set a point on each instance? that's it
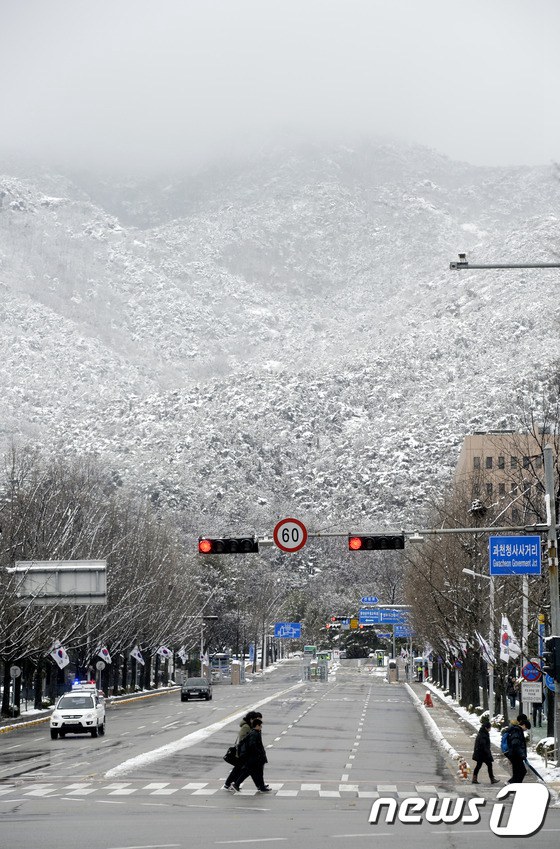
(139, 84)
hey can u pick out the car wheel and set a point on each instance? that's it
(183, 699)
(54, 734)
(102, 729)
(62, 733)
(94, 732)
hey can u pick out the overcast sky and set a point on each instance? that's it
(150, 84)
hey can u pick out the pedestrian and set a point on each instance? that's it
(511, 690)
(537, 713)
(244, 728)
(253, 758)
(517, 747)
(483, 752)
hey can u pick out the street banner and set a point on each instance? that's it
(103, 653)
(509, 646)
(486, 649)
(137, 655)
(58, 654)
(164, 652)
(183, 655)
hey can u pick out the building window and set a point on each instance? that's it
(489, 489)
(501, 463)
(475, 491)
(514, 489)
(502, 489)
(476, 462)
(538, 461)
(526, 462)
(515, 515)
(489, 462)
(513, 462)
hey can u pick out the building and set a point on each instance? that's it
(504, 470)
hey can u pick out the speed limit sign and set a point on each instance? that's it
(290, 535)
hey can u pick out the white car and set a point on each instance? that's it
(79, 712)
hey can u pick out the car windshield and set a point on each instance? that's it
(196, 682)
(81, 702)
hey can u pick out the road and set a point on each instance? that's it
(154, 780)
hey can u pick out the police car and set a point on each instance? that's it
(81, 711)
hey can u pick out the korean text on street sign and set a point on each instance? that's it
(403, 631)
(369, 599)
(290, 535)
(515, 555)
(382, 615)
(531, 691)
(288, 630)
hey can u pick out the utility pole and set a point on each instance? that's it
(550, 496)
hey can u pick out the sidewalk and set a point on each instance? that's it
(458, 729)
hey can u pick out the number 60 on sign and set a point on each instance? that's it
(290, 535)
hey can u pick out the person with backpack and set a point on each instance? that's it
(232, 781)
(483, 752)
(514, 747)
(253, 758)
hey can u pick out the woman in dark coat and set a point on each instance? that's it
(253, 758)
(232, 781)
(483, 752)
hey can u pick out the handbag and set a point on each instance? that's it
(230, 756)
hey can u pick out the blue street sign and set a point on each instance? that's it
(550, 683)
(381, 616)
(403, 631)
(251, 652)
(288, 630)
(369, 599)
(515, 555)
(383, 636)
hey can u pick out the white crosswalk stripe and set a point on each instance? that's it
(291, 789)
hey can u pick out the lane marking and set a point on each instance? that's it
(191, 739)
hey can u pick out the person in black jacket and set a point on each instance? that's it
(232, 781)
(517, 748)
(253, 758)
(483, 753)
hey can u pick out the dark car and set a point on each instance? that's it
(196, 688)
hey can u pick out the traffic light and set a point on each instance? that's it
(340, 618)
(229, 545)
(551, 657)
(375, 542)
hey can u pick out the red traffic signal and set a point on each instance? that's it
(228, 545)
(375, 542)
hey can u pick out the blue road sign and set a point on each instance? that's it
(381, 616)
(550, 683)
(369, 599)
(288, 630)
(515, 555)
(403, 631)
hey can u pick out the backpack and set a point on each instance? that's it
(505, 742)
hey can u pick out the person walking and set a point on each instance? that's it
(511, 690)
(253, 758)
(483, 752)
(232, 781)
(517, 744)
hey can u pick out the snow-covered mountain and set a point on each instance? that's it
(276, 337)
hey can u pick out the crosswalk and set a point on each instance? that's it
(123, 789)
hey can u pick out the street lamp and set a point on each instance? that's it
(204, 619)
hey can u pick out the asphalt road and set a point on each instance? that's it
(154, 779)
